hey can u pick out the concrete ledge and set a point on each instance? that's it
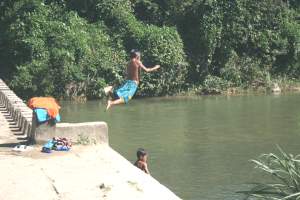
(82, 133)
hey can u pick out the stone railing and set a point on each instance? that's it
(17, 110)
(22, 115)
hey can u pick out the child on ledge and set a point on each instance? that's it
(141, 162)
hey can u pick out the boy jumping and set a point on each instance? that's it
(127, 90)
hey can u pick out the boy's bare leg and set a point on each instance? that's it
(115, 102)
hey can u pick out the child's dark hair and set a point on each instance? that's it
(134, 53)
(141, 152)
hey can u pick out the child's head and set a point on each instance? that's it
(135, 54)
(141, 154)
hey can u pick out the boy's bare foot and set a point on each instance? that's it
(107, 90)
(108, 104)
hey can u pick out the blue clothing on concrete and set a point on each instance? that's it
(127, 90)
(48, 146)
(57, 144)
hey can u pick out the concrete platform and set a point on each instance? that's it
(91, 173)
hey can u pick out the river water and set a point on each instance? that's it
(199, 147)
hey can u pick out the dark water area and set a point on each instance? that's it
(199, 147)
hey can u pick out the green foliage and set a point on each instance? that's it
(288, 60)
(214, 85)
(74, 48)
(160, 12)
(58, 53)
(285, 171)
(245, 72)
(163, 46)
(266, 32)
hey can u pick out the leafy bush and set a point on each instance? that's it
(54, 49)
(214, 85)
(285, 171)
(245, 71)
(232, 70)
(264, 31)
(162, 46)
(160, 12)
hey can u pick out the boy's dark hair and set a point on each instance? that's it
(134, 53)
(141, 152)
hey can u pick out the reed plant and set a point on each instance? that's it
(284, 171)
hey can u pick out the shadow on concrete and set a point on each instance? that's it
(24, 139)
(14, 129)
(13, 125)
(13, 144)
(19, 134)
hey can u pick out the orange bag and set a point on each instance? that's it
(48, 103)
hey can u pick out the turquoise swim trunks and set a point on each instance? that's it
(127, 90)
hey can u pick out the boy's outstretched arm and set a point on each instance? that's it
(156, 67)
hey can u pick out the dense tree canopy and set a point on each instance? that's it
(75, 48)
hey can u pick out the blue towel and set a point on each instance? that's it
(42, 115)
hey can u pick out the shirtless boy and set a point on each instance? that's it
(128, 89)
(141, 162)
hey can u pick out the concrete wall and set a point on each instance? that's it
(81, 133)
(22, 115)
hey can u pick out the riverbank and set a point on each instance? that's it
(286, 86)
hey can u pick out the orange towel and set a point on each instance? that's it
(48, 103)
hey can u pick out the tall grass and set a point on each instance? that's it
(284, 169)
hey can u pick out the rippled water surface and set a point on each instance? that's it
(199, 147)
